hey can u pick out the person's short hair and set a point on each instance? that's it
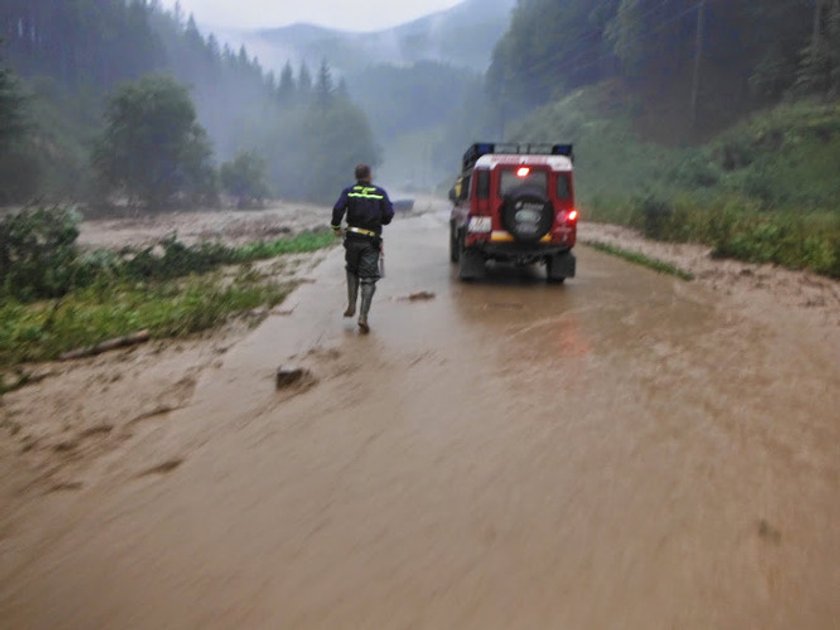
(362, 172)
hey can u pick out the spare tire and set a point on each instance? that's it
(527, 214)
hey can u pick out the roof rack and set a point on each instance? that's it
(480, 149)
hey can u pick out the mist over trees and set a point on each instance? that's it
(11, 107)
(244, 179)
(312, 149)
(72, 56)
(153, 148)
(405, 99)
(12, 127)
(707, 62)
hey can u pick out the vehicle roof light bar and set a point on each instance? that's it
(480, 149)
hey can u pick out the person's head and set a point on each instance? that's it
(363, 173)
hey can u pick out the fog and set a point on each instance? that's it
(336, 14)
(603, 397)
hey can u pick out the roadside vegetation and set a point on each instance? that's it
(55, 296)
(642, 260)
(95, 108)
(766, 191)
(713, 122)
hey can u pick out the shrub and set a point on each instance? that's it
(39, 257)
(38, 252)
(153, 150)
(244, 179)
(655, 217)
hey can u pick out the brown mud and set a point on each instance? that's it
(758, 288)
(234, 227)
(626, 450)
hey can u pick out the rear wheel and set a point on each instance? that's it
(454, 245)
(470, 263)
(560, 267)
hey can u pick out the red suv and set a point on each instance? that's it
(514, 203)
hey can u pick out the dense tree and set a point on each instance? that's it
(11, 108)
(18, 168)
(286, 88)
(244, 178)
(311, 151)
(85, 42)
(324, 86)
(834, 48)
(541, 52)
(304, 81)
(72, 55)
(727, 57)
(819, 70)
(153, 150)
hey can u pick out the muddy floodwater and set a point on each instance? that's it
(624, 451)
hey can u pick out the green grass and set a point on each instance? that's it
(44, 330)
(765, 191)
(171, 291)
(177, 260)
(40, 257)
(641, 259)
(305, 243)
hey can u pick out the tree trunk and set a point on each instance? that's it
(816, 38)
(698, 59)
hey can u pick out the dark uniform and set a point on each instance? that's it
(368, 208)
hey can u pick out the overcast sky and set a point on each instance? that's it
(343, 14)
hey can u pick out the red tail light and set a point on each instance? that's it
(523, 172)
(573, 216)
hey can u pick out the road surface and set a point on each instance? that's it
(624, 451)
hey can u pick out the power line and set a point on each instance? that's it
(661, 27)
(643, 16)
(583, 60)
(537, 69)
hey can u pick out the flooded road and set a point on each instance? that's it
(624, 451)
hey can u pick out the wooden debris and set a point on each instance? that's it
(420, 296)
(106, 346)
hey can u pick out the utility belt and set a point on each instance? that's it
(362, 232)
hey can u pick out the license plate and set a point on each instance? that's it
(480, 225)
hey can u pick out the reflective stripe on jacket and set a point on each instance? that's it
(367, 207)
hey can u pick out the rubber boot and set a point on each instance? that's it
(368, 289)
(352, 294)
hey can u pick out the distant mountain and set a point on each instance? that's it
(464, 35)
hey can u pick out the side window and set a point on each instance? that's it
(465, 188)
(455, 193)
(483, 184)
(564, 189)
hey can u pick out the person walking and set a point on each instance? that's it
(368, 208)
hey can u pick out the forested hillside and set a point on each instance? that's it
(70, 56)
(701, 64)
(707, 120)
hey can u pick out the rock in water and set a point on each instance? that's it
(289, 376)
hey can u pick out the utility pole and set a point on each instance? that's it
(817, 37)
(698, 58)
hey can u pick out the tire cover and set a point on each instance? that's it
(527, 214)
